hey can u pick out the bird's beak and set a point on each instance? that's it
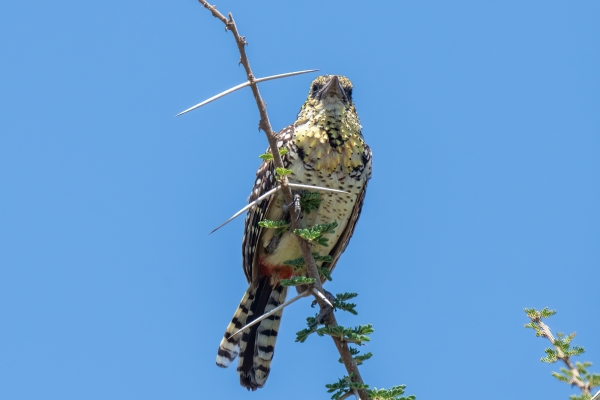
(334, 86)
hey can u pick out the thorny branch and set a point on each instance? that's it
(547, 333)
(265, 125)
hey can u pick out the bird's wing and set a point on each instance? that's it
(344, 239)
(265, 181)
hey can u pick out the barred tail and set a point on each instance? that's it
(256, 345)
(229, 347)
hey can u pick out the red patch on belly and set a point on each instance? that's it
(277, 272)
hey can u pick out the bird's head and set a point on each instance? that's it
(329, 93)
(331, 89)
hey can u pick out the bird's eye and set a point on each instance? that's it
(348, 93)
(315, 88)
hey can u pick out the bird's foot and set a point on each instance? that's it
(296, 204)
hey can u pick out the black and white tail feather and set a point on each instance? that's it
(256, 344)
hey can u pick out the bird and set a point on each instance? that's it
(323, 147)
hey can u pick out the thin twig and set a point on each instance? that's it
(243, 85)
(265, 125)
(265, 315)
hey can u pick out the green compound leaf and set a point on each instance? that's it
(356, 335)
(343, 386)
(389, 394)
(322, 241)
(537, 315)
(298, 263)
(565, 377)
(326, 258)
(325, 273)
(345, 296)
(340, 303)
(353, 350)
(357, 358)
(326, 228)
(281, 226)
(575, 351)
(594, 380)
(283, 171)
(266, 156)
(551, 356)
(315, 233)
(584, 396)
(546, 313)
(310, 201)
(297, 280)
(265, 223)
(307, 234)
(302, 335)
(269, 156)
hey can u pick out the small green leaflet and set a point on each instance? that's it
(358, 358)
(283, 171)
(307, 234)
(356, 335)
(298, 263)
(389, 394)
(324, 272)
(269, 156)
(281, 225)
(344, 386)
(297, 280)
(265, 223)
(316, 232)
(302, 335)
(266, 156)
(340, 302)
(310, 201)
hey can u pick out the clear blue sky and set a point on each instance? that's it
(484, 120)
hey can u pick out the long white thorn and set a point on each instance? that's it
(323, 189)
(279, 307)
(225, 93)
(243, 85)
(322, 297)
(252, 204)
(268, 78)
